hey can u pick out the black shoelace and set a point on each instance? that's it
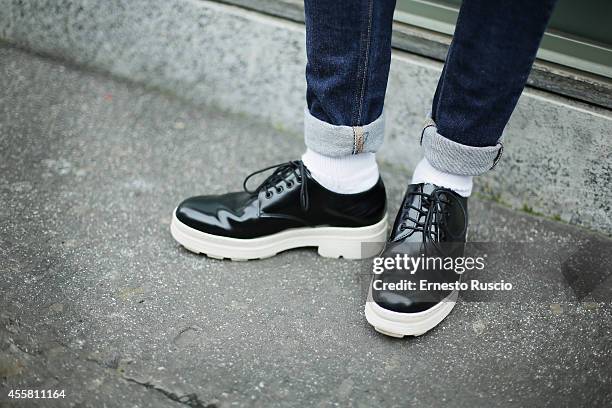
(434, 211)
(282, 172)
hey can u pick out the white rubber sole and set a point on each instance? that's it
(332, 242)
(398, 325)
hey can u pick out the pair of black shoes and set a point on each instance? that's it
(290, 210)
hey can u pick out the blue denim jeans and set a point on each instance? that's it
(348, 46)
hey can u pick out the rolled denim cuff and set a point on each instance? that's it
(456, 158)
(334, 141)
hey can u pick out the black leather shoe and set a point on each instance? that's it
(288, 210)
(431, 225)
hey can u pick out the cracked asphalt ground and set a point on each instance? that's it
(98, 300)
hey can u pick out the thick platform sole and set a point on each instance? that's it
(332, 242)
(398, 325)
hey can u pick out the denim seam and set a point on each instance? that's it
(359, 139)
(499, 155)
(366, 60)
(428, 122)
(362, 67)
(355, 110)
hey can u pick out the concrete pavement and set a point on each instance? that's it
(98, 300)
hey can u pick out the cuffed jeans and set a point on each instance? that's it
(348, 44)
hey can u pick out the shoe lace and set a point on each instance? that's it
(282, 172)
(432, 215)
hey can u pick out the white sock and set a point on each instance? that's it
(426, 173)
(346, 174)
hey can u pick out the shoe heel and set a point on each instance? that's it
(354, 243)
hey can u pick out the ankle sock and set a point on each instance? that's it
(426, 173)
(344, 175)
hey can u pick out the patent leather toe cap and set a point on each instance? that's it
(403, 302)
(212, 214)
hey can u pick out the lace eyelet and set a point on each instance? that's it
(299, 179)
(269, 194)
(279, 190)
(402, 227)
(289, 184)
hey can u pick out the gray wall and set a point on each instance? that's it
(557, 159)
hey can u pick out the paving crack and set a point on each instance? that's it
(191, 399)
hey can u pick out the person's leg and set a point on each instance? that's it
(348, 46)
(487, 66)
(334, 199)
(488, 63)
